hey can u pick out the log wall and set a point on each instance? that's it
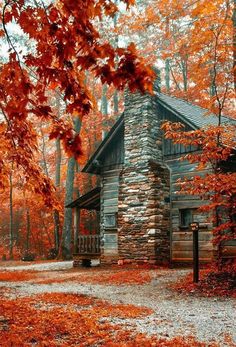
(108, 214)
(181, 236)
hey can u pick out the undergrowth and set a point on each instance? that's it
(212, 283)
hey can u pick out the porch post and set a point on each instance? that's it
(76, 228)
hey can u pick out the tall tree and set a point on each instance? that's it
(234, 43)
(195, 38)
(72, 46)
(56, 214)
(66, 245)
(11, 234)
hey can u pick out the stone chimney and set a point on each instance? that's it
(144, 211)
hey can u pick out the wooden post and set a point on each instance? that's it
(76, 228)
(195, 229)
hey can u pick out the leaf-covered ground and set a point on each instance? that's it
(108, 307)
(212, 283)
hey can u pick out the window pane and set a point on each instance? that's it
(110, 220)
(186, 217)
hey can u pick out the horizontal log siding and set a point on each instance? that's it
(115, 153)
(109, 205)
(181, 238)
(170, 149)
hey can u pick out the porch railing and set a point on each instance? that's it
(89, 244)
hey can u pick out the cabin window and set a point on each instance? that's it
(110, 220)
(186, 217)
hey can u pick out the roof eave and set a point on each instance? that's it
(87, 197)
(182, 117)
(88, 168)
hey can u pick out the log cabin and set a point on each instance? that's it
(142, 216)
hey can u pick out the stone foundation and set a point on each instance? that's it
(109, 260)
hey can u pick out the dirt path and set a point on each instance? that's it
(208, 319)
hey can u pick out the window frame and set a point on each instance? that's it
(111, 225)
(181, 217)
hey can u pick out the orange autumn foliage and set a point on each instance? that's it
(17, 276)
(67, 45)
(111, 277)
(100, 307)
(214, 150)
(212, 283)
(195, 41)
(66, 299)
(36, 323)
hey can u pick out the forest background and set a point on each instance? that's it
(59, 97)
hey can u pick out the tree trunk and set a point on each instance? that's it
(184, 66)
(17, 226)
(234, 44)
(104, 103)
(44, 161)
(27, 230)
(116, 44)
(11, 235)
(104, 110)
(76, 214)
(67, 226)
(212, 86)
(116, 102)
(167, 74)
(76, 228)
(68, 222)
(56, 215)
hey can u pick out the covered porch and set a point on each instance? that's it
(86, 247)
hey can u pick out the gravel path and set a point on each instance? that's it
(60, 265)
(208, 319)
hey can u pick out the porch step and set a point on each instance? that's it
(84, 258)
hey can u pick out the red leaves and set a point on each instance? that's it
(8, 16)
(73, 146)
(215, 145)
(53, 15)
(52, 318)
(67, 45)
(110, 9)
(42, 111)
(28, 20)
(17, 276)
(212, 283)
(71, 140)
(113, 277)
